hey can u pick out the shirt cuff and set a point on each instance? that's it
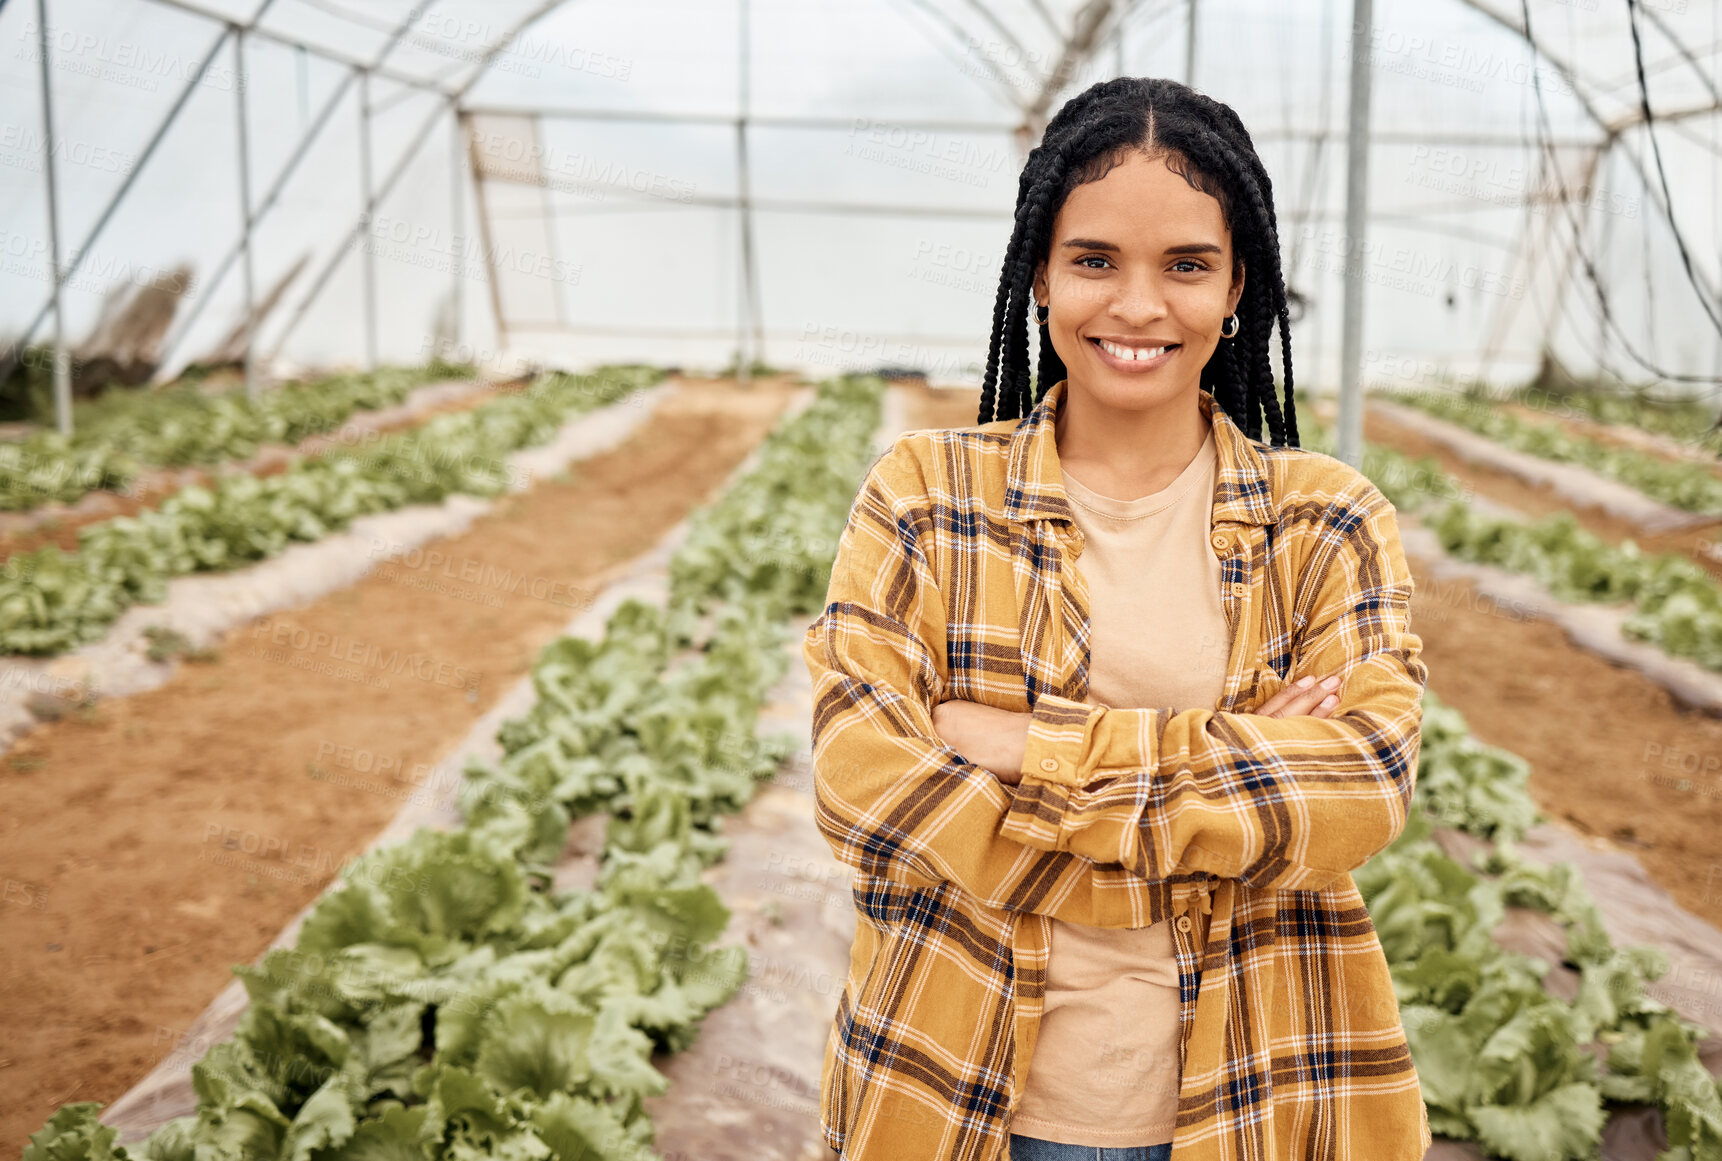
(1072, 743)
(1071, 746)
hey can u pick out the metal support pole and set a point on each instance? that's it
(487, 243)
(1350, 432)
(302, 66)
(748, 322)
(367, 255)
(247, 267)
(754, 347)
(556, 287)
(62, 364)
(1190, 47)
(457, 220)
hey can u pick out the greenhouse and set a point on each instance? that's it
(493, 493)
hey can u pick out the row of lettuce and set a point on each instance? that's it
(443, 1001)
(1683, 484)
(1676, 602)
(118, 435)
(1502, 1060)
(52, 600)
(1691, 419)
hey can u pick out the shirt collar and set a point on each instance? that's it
(1035, 484)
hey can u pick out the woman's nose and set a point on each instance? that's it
(1138, 302)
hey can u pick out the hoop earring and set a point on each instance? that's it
(1042, 313)
(1237, 325)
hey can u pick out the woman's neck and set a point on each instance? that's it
(1128, 453)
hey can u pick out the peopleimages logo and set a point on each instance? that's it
(1455, 64)
(341, 648)
(567, 172)
(943, 155)
(445, 251)
(436, 30)
(119, 61)
(1402, 267)
(28, 144)
(26, 256)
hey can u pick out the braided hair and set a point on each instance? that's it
(1207, 144)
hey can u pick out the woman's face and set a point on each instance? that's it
(1139, 282)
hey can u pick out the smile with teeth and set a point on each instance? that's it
(1136, 354)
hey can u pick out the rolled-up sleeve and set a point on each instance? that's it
(1289, 803)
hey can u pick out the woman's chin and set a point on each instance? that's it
(1129, 392)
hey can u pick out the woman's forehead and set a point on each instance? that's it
(1141, 202)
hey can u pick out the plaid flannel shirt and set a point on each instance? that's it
(951, 581)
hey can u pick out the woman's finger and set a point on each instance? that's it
(1292, 695)
(1318, 702)
(1302, 702)
(1297, 699)
(1271, 706)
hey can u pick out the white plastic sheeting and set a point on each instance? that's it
(884, 139)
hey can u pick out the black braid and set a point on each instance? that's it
(1206, 142)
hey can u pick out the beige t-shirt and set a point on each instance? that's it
(1105, 1065)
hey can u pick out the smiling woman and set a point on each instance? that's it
(1139, 316)
(1169, 285)
(1111, 697)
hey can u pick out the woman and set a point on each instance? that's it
(1102, 834)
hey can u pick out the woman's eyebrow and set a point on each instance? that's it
(1186, 248)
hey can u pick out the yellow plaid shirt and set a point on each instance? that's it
(952, 581)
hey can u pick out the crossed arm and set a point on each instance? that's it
(998, 739)
(1290, 803)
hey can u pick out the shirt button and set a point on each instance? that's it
(1220, 540)
(1184, 923)
(1050, 765)
(1239, 588)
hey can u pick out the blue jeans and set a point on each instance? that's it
(1034, 1149)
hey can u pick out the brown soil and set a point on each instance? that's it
(1608, 747)
(1612, 754)
(152, 841)
(1537, 502)
(59, 522)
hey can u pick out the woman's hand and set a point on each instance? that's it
(991, 738)
(1306, 695)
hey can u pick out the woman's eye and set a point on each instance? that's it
(1193, 265)
(1086, 258)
